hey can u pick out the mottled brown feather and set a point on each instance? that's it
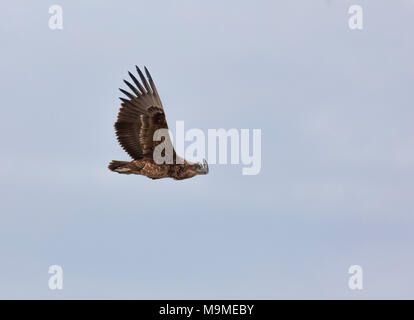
(139, 117)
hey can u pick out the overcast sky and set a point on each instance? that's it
(335, 107)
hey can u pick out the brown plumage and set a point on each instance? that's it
(139, 117)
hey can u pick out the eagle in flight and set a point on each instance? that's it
(139, 118)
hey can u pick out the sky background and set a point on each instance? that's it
(335, 107)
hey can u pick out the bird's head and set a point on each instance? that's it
(201, 168)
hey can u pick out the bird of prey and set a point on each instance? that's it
(139, 117)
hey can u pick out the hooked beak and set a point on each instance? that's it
(203, 169)
(205, 166)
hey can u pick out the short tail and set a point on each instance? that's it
(118, 166)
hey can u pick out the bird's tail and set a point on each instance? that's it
(118, 166)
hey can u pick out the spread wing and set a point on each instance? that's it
(139, 117)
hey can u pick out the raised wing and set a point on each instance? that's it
(139, 117)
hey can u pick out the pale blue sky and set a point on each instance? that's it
(335, 108)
